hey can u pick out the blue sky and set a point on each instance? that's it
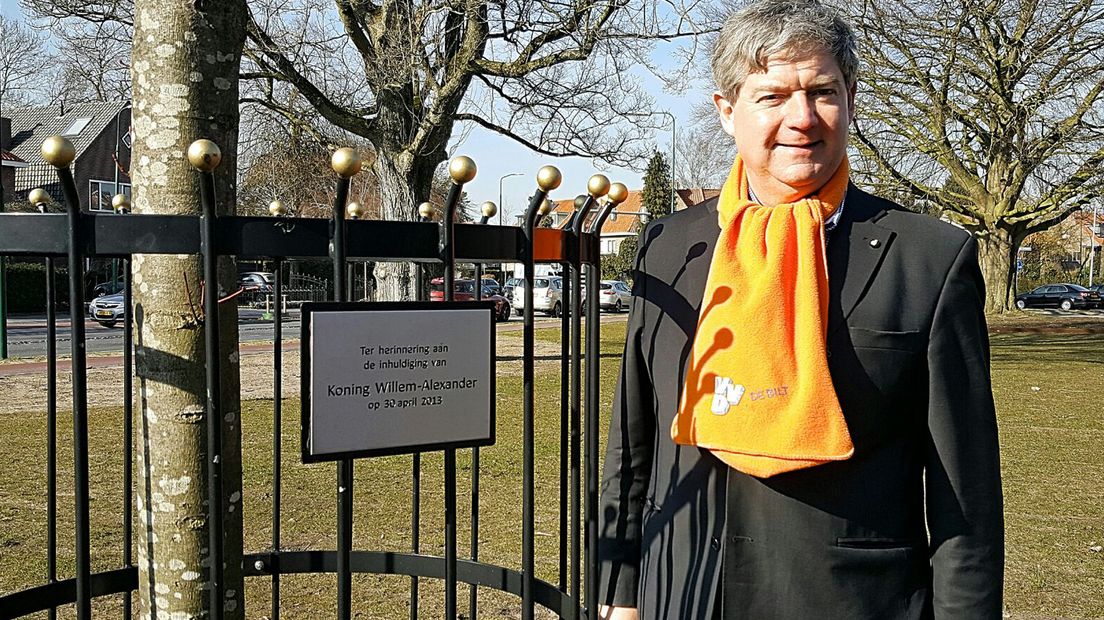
(496, 156)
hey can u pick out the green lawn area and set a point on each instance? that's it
(1051, 457)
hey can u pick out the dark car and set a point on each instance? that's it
(490, 287)
(1099, 290)
(464, 290)
(108, 288)
(256, 281)
(1064, 296)
(107, 310)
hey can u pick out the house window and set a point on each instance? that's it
(76, 127)
(100, 193)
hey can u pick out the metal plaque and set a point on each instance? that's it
(396, 377)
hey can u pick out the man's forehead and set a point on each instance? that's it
(826, 69)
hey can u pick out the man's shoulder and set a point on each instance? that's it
(684, 220)
(912, 228)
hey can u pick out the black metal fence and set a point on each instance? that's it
(74, 236)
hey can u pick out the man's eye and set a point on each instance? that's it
(770, 98)
(824, 92)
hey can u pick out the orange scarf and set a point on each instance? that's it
(758, 394)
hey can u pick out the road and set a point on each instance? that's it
(27, 335)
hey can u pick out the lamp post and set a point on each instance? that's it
(672, 117)
(502, 205)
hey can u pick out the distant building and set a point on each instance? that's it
(9, 162)
(100, 133)
(630, 215)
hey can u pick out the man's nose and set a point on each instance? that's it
(800, 112)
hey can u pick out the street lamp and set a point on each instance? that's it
(672, 117)
(502, 205)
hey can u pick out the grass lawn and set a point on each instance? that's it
(1051, 457)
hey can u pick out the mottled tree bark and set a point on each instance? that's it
(185, 65)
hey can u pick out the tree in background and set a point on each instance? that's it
(186, 59)
(656, 198)
(989, 113)
(23, 63)
(620, 265)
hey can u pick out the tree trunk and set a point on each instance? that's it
(403, 184)
(186, 58)
(996, 255)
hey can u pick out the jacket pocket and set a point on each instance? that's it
(869, 542)
(911, 341)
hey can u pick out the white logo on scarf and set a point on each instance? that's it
(725, 395)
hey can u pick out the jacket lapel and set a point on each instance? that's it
(855, 251)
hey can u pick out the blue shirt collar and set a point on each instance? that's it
(829, 223)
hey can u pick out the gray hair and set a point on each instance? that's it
(767, 27)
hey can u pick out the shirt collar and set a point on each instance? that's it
(829, 223)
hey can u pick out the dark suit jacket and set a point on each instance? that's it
(910, 527)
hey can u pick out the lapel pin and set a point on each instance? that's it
(875, 243)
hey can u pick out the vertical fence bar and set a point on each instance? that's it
(462, 170)
(205, 156)
(39, 198)
(488, 209)
(346, 163)
(121, 204)
(565, 416)
(277, 430)
(51, 429)
(617, 194)
(548, 178)
(128, 430)
(596, 186)
(60, 153)
(426, 212)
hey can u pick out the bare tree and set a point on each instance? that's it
(554, 76)
(705, 152)
(989, 112)
(186, 59)
(24, 62)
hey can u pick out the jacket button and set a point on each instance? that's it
(715, 543)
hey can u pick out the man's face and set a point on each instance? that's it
(790, 125)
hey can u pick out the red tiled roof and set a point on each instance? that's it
(628, 218)
(696, 195)
(9, 156)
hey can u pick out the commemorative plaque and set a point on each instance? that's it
(396, 377)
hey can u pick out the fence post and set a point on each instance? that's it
(59, 153)
(617, 194)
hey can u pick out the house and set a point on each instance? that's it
(100, 133)
(9, 163)
(629, 217)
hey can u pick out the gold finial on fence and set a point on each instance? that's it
(120, 203)
(427, 211)
(488, 209)
(346, 162)
(58, 151)
(39, 197)
(204, 155)
(277, 208)
(462, 169)
(549, 178)
(355, 210)
(598, 185)
(618, 193)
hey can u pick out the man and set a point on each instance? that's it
(804, 424)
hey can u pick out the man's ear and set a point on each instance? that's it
(726, 113)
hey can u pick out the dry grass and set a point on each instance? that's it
(1051, 457)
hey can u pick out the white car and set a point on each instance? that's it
(547, 295)
(614, 295)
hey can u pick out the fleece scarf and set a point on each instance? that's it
(758, 394)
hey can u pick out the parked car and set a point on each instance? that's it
(108, 288)
(256, 281)
(614, 295)
(1064, 296)
(107, 310)
(508, 288)
(1099, 290)
(464, 290)
(547, 295)
(491, 287)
